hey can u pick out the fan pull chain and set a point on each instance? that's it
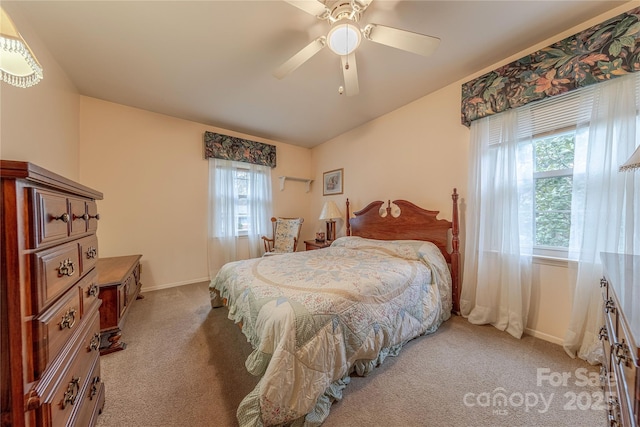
(346, 65)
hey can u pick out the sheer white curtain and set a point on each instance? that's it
(605, 204)
(223, 194)
(497, 268)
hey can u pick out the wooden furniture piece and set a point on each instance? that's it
(413, 223)
(119, 282)
(620, 336)
(49, 305)
(285, 235)
(311, 245)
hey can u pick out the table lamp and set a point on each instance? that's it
(329, 212)
(632, 163)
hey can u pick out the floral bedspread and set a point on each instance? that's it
(315, 317)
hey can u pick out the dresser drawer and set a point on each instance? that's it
(93, 398)
(89, 292)
(610, 396)
(64, 399)
(51, 217)
(78, 217)
(57, 217)
(84, 216)
(625, 356)
(606, 347)
(88, 248)
(93, 215)
(53, 329)
(56, 270)
(625, 408)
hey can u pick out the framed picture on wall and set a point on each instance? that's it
(332, 182)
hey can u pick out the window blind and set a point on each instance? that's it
(554, 114)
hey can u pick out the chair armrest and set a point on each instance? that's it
(268, 243)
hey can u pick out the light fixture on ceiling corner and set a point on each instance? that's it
(633, 162)
(344, 37)
(330, 212)
(18, 65)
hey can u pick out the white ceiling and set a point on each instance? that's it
(212, 61)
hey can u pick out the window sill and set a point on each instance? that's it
(552, 261)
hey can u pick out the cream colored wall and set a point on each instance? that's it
(40, 123)
(420, 152)
(151, 170)
(417, 153)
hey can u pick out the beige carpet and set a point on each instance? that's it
(184, 366)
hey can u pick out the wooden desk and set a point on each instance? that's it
(119, 282)
(311, 245)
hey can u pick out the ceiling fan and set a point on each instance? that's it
(345, 36)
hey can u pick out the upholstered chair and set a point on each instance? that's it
(286, 234)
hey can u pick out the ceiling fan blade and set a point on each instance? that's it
(350, 74)
(402, 39)
(301, 57)
(312, 7)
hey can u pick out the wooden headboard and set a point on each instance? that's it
(413, 223)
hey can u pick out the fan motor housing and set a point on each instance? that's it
(342, 9)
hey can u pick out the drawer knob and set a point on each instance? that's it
(83, 216)
(620, 352)
(92, 252)
(610, 306)
(69, 319)
(71, 393)
(96, 216)
(64, 217)
(94, 344)
(603, 282)
(66, 268)
(93, 290)
(603, 335)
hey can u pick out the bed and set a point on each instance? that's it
(316, 317)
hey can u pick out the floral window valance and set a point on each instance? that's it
(237, 149)
(603, 52)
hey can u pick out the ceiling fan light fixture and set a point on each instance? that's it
(344, 37)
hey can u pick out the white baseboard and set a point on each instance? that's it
(172, 285)
(543, 336)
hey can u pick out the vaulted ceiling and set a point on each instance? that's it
(212, 62)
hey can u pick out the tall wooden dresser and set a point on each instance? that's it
(49, 305)
(620, 336)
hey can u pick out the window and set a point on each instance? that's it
(239, 205)
(553, 180)
(551, 127)
(240, 195)
(241, 185)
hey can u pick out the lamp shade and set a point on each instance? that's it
(330, 211)
(633, 162)
(18, 65)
